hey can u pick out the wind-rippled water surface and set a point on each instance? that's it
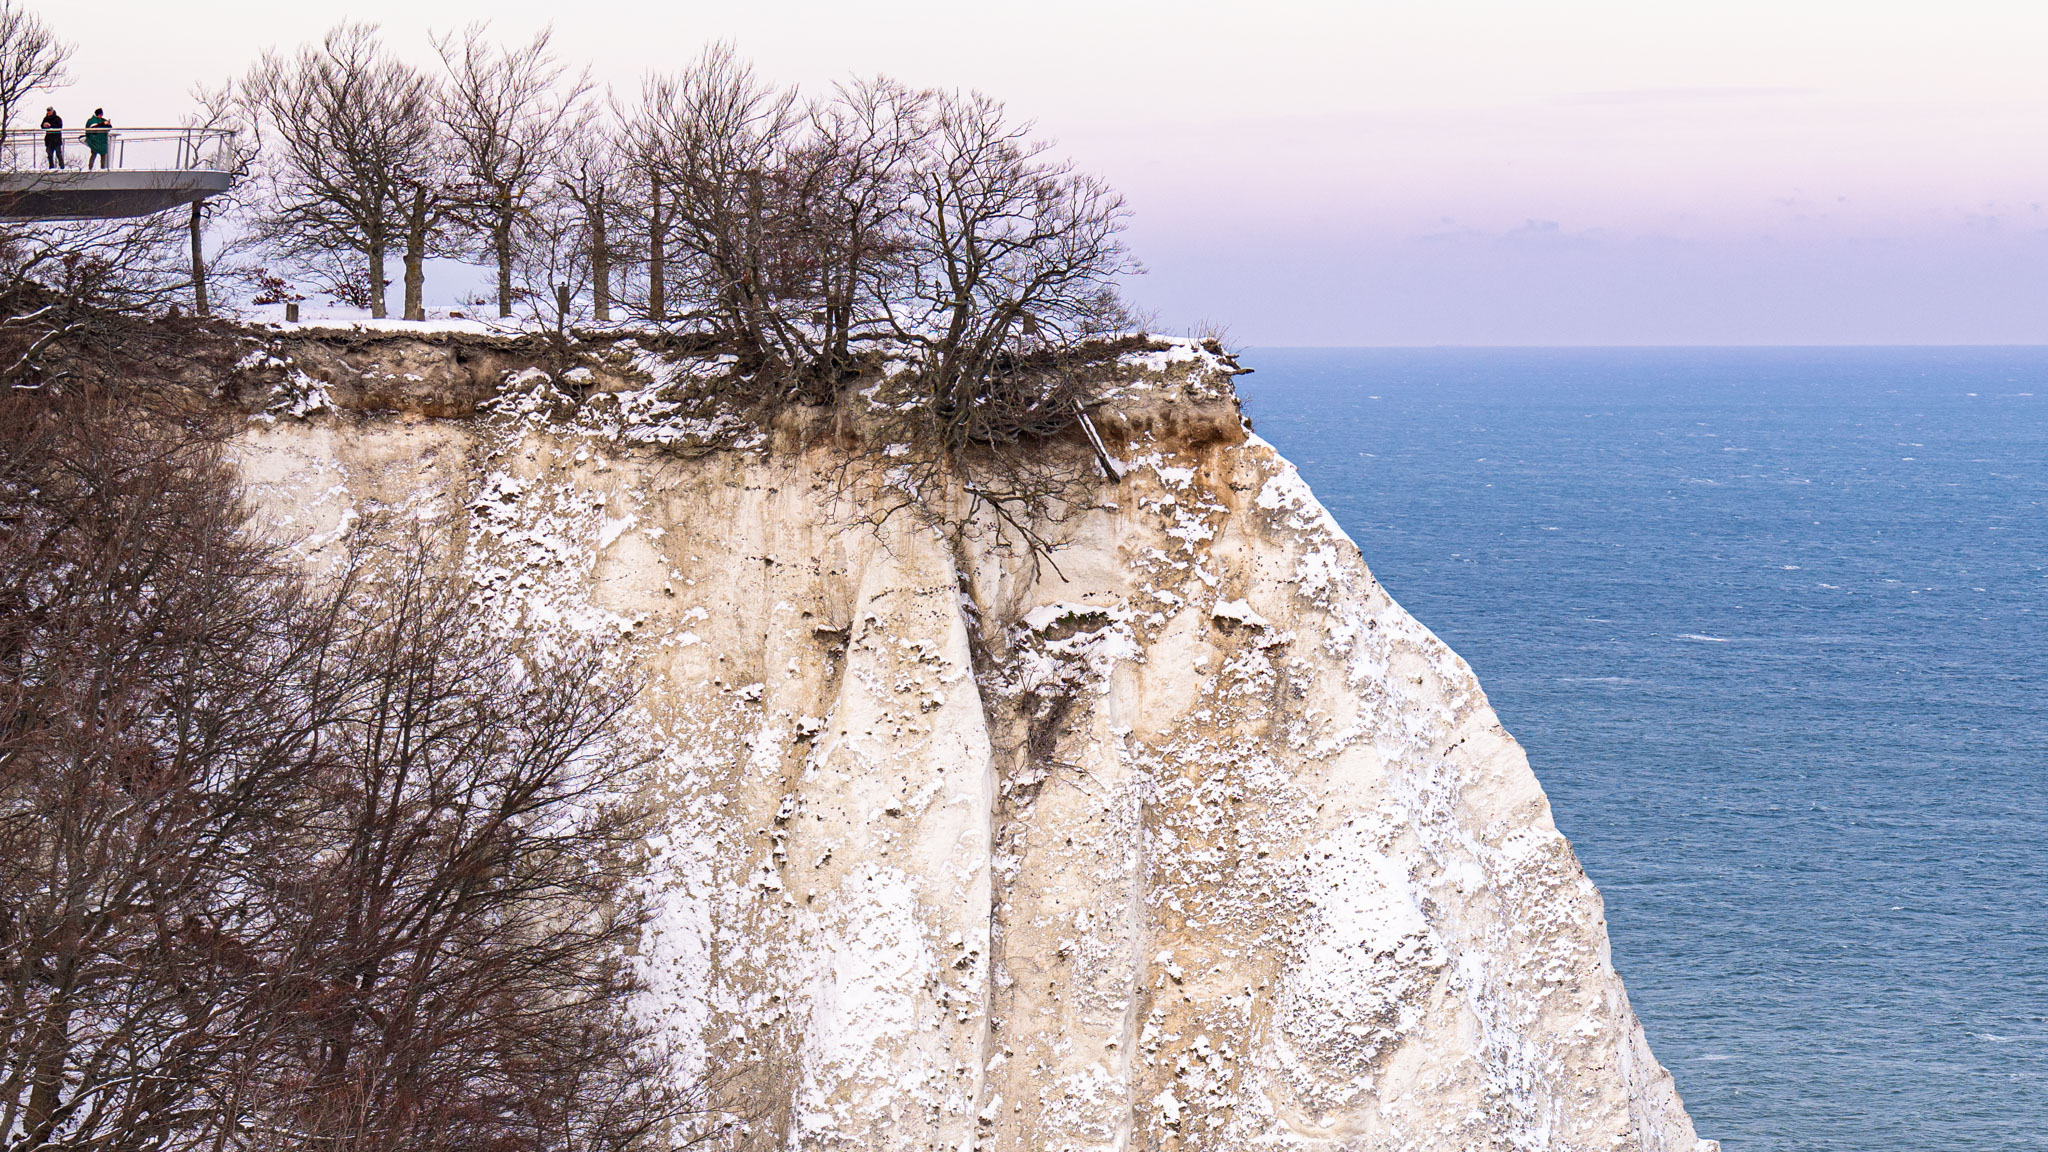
(1773, 627)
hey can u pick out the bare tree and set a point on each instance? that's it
(787, 218)
(852, 180)
(284, 869)
(148, 656)
(1011, 258)
(507, 110)
(349, 133)
(31, 58)
(1003, 292)
(883, 214)
(456, 898)
(723, 139)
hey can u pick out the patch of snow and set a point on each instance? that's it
(1046, 615)
(302, 396)
(611, 529)
(1239, 611)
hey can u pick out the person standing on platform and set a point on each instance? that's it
(96, 139)
(53, 138)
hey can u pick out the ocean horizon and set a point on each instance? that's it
(1769, 622)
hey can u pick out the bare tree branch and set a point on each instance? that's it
(31, 58)
(350, 137)
(508, 109)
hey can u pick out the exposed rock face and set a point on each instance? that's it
(1198, 842)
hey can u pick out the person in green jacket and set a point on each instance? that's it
(96, 138)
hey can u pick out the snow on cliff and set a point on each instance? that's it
(1196, 842)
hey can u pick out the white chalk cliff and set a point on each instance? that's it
(1197, 841)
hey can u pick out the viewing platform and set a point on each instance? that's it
(149, 170)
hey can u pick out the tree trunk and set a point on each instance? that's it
(415, 284)
(199, 304)
(47, 1081)
(377, 309)
(501, 241)
(416, 257)
(600, 265)
(657, 292)
(46, 1090)
(754, 324)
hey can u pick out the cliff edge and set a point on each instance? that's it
(1188, 838)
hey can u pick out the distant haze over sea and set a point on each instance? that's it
(1581, 172)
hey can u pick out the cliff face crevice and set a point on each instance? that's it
(1194, 841)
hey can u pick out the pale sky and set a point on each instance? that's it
(1451, 172)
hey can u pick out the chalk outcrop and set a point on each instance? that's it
(1193, 841)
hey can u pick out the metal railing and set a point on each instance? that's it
(134, 149)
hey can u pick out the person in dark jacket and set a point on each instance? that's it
(53, 138)
(96, 139)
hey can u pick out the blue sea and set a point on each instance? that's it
(1773, 627)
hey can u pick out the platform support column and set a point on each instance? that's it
(199, 306)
